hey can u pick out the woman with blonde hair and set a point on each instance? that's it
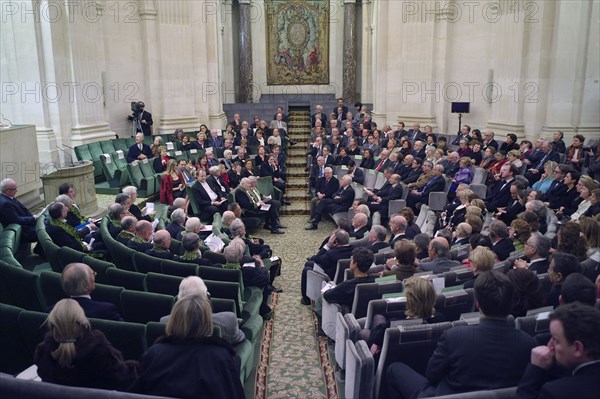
(403, 262)
(172, 184)
(481, 259)
(547, 177)
(519, 231)
(73, 354)
(420, 302)
(188, 362)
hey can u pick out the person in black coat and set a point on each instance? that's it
(63, 234)
(436, 184)
(358, 176)
(78, 281)
(143, 235)
(502, 245)
(188, 362)
(514, 207)
(160, 249)
(139, 150)
(209, 201)
(251, 204)
(272, 170)
(338, 247)
(74, 354)
(14, 212)
(575, 329)
(341, 201)
(379, 200)
(456, 364)
(360, 262)
(175, 228)
(500, 197)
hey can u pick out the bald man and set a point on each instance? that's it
(143, 236)
(78, 281)
(439, 257)
(14, 212)
(359, 226)
(162, 243)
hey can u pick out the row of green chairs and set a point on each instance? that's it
(10, 241)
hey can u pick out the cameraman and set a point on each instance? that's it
(142, 119)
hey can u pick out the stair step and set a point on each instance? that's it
(297, 184)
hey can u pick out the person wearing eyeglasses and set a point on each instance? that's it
(78, 281)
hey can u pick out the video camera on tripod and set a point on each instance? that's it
(137, 108)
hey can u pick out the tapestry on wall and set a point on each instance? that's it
(297, 42)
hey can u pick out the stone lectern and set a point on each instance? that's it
(81, 175)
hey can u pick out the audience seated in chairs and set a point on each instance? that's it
(188, 361)
(340, 202)
(74, 354)
(360, 262)
(192, 253)
(209, 197)
(457, 362)
(439, 257)
(252, 203)
(13, 211)
(63, 234)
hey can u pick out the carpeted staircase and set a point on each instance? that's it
(297, 184)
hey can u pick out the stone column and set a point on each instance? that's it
(349, 59)
(245, 52)
(151, 54)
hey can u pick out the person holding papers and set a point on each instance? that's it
(209, 201)
(252, 203)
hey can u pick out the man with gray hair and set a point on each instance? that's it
(116, 212)
(253, 273)
(12, 211)
(436, 184)
(140, 214)
(537, 249)
(216, 182)
(377, 237)
(340, 202)
(325, 187)
(128, 229)
(78, 281)
(226, 321)
(208, 196)
(253, 205)
(502, 244)
(178, 203)
(177, 222)
(439, 257)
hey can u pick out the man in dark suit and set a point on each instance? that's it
(272, 170)
(575, 328)
(316, 171)
(128, 230)
(215, 181)
(344, 110)
(439, 257)
(376, 238)
(251, 203)
(451, 166)
(502, 245)
(419, 149)
(215, 141)
(398, 225)
(415, 171)
(488, 141)
(406, 167)
(175, 227)
(358, 176)
(557, 187)
(379, 200)
(490, 355)
(14, 212)
(415, 133)
(462, 135)
(534, 173)
(435, 184)
(144, 122)
(209, 201)
(514, 207)
(341, 201)
(63, 234)
(160, 249)
(359, 226)
(360, 263)
(139, 150)
(500, 195)
(337, 248)
(383, 162)
(143, 236)
(319, 115)
(77, 281)
(325, 188)
(537, 249)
